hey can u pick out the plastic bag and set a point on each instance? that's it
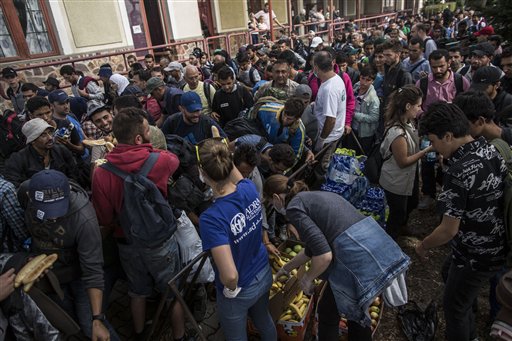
(190, 246)
(418, 324)
(344, 167)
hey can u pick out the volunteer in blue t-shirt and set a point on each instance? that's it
(231, 229)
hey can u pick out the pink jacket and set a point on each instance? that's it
(314, 84)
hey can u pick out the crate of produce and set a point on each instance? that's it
(294, 319)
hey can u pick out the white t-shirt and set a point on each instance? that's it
(264, 14)
(331, 101)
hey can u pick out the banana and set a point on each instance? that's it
(280, 261)
(295, 309)
(303, 309)
(27, 269)
(298, 297)
(285, 317)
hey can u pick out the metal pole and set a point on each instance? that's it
(290, 18)
(271, 20)
(358, 9)
(331, 17)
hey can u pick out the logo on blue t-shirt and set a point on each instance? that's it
(237, 223)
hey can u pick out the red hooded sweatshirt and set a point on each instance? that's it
(107, 188)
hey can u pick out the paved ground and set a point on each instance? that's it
(119, 315)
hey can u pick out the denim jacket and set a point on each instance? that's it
(366, 260)
(366, 119)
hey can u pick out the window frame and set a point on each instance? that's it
(20, 43)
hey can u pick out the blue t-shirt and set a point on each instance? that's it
(235, 220)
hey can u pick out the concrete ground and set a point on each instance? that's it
(119, 316)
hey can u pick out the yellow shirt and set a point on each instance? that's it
(200, 91)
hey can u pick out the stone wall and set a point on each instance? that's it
(91, 65)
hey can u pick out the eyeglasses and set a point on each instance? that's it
(200, 144)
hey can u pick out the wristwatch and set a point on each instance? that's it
(99, 317)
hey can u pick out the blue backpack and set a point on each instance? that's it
(146, 217)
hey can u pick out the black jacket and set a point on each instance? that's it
(20, 166)
(502, 103)
(76, 238)
(395, 77)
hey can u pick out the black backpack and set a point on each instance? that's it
(11, 137)
(146, 217)
(459, 85)
(241, 126)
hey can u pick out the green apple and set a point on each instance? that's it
(297, 248)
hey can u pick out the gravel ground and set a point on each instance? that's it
(424, 283)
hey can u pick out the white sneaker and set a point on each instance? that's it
(426, 202)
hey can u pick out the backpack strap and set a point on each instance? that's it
(9, 120)
(417, 66)
(504, 150)
(113, 169)
(148, 164)
(459, 83)
(424, 87)
(207, 93)
(145, 169)
(251, 75)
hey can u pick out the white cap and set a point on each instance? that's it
(316, 41)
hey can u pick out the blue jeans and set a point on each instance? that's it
(76, 303)
(366, 260)
(462, 286)
(253, 301)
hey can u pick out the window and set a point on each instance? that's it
(24, 30)
(7, 48)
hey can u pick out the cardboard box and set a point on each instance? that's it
(295, 331)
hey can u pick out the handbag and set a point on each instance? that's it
(373, 165)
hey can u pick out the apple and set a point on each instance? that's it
(287, 250)
(297, 248)
(292, 254)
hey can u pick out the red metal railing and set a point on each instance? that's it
(209, 44)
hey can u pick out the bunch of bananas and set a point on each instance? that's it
(297, 309)
(277, 263)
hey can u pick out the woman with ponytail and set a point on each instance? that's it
(231, 229)
(400, 151)
(352, 252)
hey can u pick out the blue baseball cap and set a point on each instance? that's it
(58, 96)
(105, 71)
(49, 194)
(191, 101)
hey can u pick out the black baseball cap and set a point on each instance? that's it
(9, 72)
(483, 49)
(485, 76)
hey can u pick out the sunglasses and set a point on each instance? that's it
(200, 144)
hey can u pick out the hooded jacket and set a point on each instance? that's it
(75, 237)
(107, 188)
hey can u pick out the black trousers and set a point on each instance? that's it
(329, 319)
(400, 206)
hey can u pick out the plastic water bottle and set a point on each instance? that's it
(431, 156)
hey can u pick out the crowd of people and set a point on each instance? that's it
(212, 142)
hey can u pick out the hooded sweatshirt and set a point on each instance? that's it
(107, 188)
(75, 237)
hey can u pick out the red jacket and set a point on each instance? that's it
(107, 188)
